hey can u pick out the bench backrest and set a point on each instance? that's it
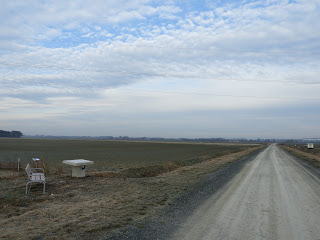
(29, 171)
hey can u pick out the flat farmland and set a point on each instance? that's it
(111, 155)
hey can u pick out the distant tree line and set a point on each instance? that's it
(155, 139)
(12, 134)
(203, 140)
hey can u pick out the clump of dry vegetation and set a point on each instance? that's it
(109, 198)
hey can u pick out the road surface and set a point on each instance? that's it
(273, 197)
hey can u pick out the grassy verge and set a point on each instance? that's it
(312, 156)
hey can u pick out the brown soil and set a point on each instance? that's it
(95, 206)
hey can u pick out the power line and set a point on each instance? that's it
(212, 94)
(219, 95)
(150, 74)
(227, 50)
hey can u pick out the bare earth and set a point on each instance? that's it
(273, 197)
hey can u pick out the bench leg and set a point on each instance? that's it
(44, 187)
(27, 187)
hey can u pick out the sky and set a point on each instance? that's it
(194, 69)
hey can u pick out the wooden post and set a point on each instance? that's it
(18, 164)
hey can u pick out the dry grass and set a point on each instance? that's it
(312, 156)
(98, 205)
(10, 174)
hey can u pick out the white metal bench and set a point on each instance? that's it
(35, 177)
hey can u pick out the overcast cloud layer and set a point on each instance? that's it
(169, 69)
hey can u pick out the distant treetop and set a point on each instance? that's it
(12, 134)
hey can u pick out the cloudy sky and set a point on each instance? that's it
(173, 68)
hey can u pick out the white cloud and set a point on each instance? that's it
(79, 53)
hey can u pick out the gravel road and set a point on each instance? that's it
(275, 196)
(267, 195)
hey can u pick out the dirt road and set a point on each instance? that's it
(273, 197)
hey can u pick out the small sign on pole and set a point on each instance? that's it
(36, 161)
